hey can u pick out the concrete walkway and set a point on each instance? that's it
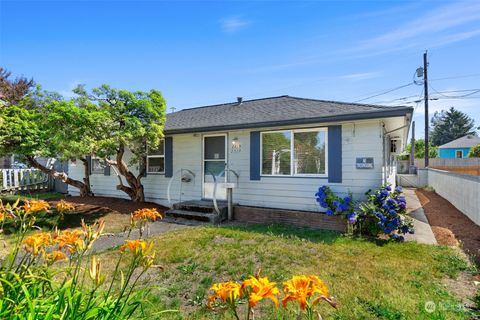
(423, 231)
(108, 241)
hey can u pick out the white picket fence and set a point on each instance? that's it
(23, 180)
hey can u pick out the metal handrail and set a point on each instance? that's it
(230, 170)
(215, 205)
(171, 180)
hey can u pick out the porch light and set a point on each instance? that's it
(235, 142)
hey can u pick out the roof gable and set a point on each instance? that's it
(467, 141)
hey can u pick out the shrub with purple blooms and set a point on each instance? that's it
(336, 205)
(384, 213)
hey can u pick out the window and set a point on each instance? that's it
(295, 152)
(156, 159)
(458, 154)
(98, 165)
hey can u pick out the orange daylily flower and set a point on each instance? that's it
(226, 292)
(56, 256)
(36, 243)
(137, 247)
(261, 288)
(151, 214)
(71, 239)
(301, 288)
(33, 206)
(64, 206)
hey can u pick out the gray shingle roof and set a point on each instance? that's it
(274, 111)
(467, 141)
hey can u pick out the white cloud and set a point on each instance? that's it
(233, 24)
(441, 19)
(361, 76)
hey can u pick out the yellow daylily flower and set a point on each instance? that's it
(64, 206)
(151, 214)
(260, 288)
(301, 288)
(33, 206)
(36, 243)
(226, 292)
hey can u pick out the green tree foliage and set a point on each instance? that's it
(43, 124)
(420, 149)
(133, 121)
(474, 152)
(450, 125)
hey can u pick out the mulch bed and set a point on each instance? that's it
(449, 224)
(96, 204)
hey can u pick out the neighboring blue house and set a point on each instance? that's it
(458, 148)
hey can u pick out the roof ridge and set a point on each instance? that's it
(234, 102)
(297, 98)
(350, 103)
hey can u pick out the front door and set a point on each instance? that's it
(214, 164)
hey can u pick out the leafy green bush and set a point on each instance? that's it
(474, 152)
(31, 286)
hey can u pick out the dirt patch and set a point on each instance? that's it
(114, 204)
(115, 212)
(449, 224)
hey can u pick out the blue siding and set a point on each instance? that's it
(451, 152)
(335, 154)
(255, 155)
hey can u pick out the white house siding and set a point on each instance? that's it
(359, 139)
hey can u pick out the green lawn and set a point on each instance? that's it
(370, 280)
(34, 195)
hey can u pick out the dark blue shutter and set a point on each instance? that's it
(255, 155)
(89, 161)
(106, 170)
(335, 154)
(168, 157)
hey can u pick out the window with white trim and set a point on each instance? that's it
(156, 159)
(98, 165)
(458, 154)
(301, 152)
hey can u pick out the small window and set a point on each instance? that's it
(98, 165)
(458, 154)
(156, 159)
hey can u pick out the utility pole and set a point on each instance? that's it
(425, 85)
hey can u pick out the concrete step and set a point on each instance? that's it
(195, 215)
(202, 206)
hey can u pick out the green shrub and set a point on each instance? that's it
(474, 152)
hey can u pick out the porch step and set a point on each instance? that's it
(201, 210)
(192, 215)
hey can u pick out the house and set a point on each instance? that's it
(458, 148)
(276, 152)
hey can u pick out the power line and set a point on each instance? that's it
(385, 92)
(461, 96)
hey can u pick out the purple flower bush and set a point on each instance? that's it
(385, 212)
(336, 205)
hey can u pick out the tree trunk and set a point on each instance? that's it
(135, 188)
(83, 187)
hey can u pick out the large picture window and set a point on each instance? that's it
(156, 159)
(300, 152)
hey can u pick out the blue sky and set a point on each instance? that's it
(200, 53)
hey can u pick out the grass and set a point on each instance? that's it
(369, 280)
(10, 198)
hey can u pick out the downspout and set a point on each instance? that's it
(383, 154)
